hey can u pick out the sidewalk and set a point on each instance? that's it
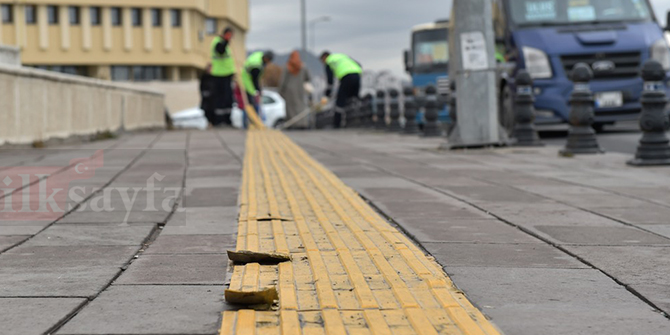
(162, 272)
(542, 244)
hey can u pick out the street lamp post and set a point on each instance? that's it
(303, 20)
(312, 25)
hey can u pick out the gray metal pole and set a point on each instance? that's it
(473, 67)
(303, 10)
(312, 31)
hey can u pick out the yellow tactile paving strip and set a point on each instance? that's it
(351, 273)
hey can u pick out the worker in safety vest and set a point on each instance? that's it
(251, 78)
(222, 72)
(348, 73)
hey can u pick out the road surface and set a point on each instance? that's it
(621, 138)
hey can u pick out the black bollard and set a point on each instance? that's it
(524, 112)
(353, 111)
(346, 116)
(394, 111)
(431, 127)
(654, 148)
(381, 110)
(360, 112)
(453, 111)
(411, 127)
(368, 111)
(581, 136)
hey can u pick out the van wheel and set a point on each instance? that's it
(506, 112)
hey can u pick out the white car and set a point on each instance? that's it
(273, 111)
(273, 114)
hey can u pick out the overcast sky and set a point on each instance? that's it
(374, 32)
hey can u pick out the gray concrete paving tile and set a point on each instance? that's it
(649, 290)
(631, 264)
(176, 269)
(143, 179)
(647, 214)
(413, 170)
(540, 215)
(454, 181)
(60, 271)
(192, 244)
(211, 182)
(501, 255)
(211, 197)
(496, 194)
(385, 181)
(214, 172)
(203, 221)
(133, 202)
(464, 230)
(430, 210)
(8, 241)
(357, 171)
(414, 193)
(229, 164)
(656, 228)
(519, 180)
(92, 235)
(210, 161)
(594, 201)
(117, 217)
(602, 235)
(655, 193)
(22, 227)
(557, 302)
(28, 316)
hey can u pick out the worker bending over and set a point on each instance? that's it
(348, 73)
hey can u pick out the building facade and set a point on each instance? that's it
(121, 40)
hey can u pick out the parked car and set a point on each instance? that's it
(273, 111)
(273, 114)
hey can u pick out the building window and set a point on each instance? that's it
(73, 70)
(156, 17)
(31, 14)
(120, 73)
(52, 14)
(74, 15)
(117, 16)
(96, 18)
(7, 13)
(136, 16)
(175, 14)
(148, 73)
(210, 26)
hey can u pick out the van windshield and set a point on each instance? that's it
(430, 48)
(564, 12)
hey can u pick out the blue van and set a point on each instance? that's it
(549, 37)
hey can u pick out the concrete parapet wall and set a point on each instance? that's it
(10, 55)
(38, 105)
(179, 95)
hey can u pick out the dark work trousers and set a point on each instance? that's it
(222, 100)
(206, 96)
(350, 87)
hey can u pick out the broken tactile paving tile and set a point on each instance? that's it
(246, 256)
